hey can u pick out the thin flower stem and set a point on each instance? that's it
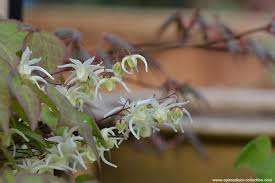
(58, 72)
(156, 46)
(114, 114)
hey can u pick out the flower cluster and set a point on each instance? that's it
(86, 79)
(27, 66)
(143, 117)
(70, 152)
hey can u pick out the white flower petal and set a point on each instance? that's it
(89, 61)
(38, 78)
(143, 60)
(67, 65)
(132, 129)
(113, 111)
(188, 114)
(25, 56)
(37, 68)
(75, 61)
(34, 61)
(57, 139)
(123, 65)
(101, 153)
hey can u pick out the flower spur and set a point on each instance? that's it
(111, 141)
(144, 117)
(82, 71)
(76, 97)
(67, 142)
(67, 148)
(131, 62)
(109, 83)
(26, 67)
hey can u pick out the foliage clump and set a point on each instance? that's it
(47, 122)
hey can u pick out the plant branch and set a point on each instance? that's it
(206, 45)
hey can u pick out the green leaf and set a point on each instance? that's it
(85, 178)
(32, 178)
(49, 117)
(17, 109)
(11, 40)
(91, 123)
(35, 137)
(70, 115)
(5, 103)
(26, 98)
(47, 46)
(42, 96)
(254, 153)
(267, 169)
(24, 177)
(8, 176)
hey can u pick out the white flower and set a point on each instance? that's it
(26, 67)
(131, 62)
(76, 97)
(111, 141)
(139, 117)
(31, 165)
(65, 155)
(109, 137)
(109, 83)
(165, 114)
(54, 161)
(82, 71)
(101, 151)
(66, 144)
(143, 117)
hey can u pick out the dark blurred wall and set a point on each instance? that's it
(216, 4)
(159, 3)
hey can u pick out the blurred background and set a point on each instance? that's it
(238, 88)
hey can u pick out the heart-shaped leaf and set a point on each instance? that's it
(48, 47)
(11, 40)
(4, 96)
(42, 96)
(49, 117)
(254, 153)
(34, 137)
(70, 115)
(26, 98)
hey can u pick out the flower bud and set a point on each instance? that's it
(131, 63)
(109, 84)
(160, 115)
(145, 131)
(175, 114)
(117, 68)
(121, 126)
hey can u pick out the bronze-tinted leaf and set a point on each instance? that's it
(70, 115)
(26, 98)
(42, 96)
(4, 96)
(4, 104)
(11, 39)
(48, 47)
(35, 138)
(48, 117)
